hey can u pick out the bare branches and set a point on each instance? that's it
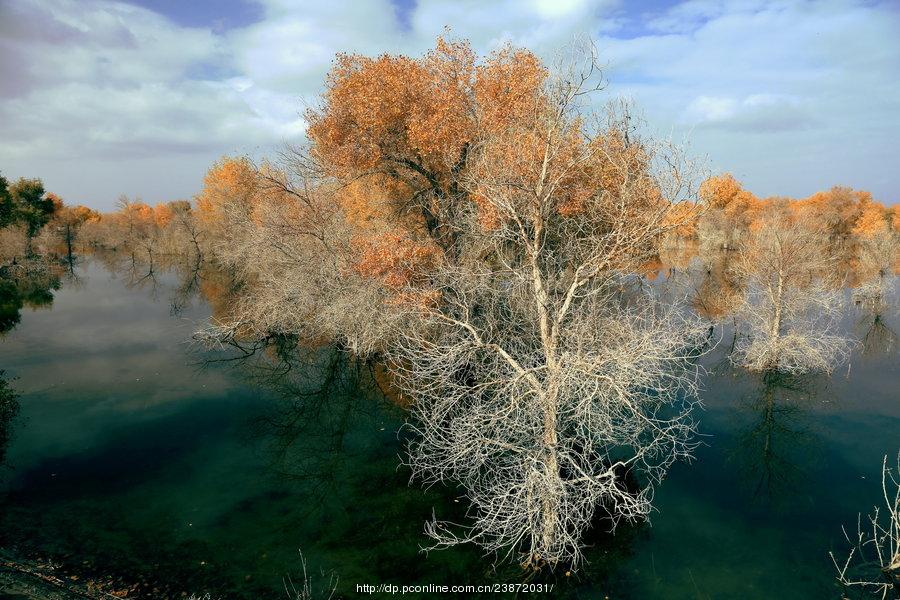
(620, 388)
(497, 275)
(873, 563)
(544, 382)
(791, 304)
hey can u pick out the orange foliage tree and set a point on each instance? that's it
(406, 139)
(398, 132)
(228, 189)
(732, 211)
(70, 219)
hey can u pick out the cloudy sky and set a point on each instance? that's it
(100, 98)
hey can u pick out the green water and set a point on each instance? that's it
(133, 456)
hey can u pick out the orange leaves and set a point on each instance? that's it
(573, 203)
(508, 88)
(162, 215)
(393, 108)
(407, 125)
(138, 213)
(85, 214)
(425, 111)
(396, 260)
(719, 191)
(376, 198)
(488, 216)
(76, 215)
(56, 200)
(681, 219)
(741, 209)
(837, 213)
(873, 219)
(229, 180)
(439, 126)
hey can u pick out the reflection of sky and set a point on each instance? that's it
(103, 359)
(793, 97)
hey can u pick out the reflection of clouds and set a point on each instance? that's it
(104, 355)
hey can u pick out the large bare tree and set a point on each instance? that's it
(545, 381)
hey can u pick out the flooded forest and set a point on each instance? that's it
(483, 328)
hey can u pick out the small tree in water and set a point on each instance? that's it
(792, 301)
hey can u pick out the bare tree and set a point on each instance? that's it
(873, 563)
(792, 301)
(545, 382)
(288, 244)
(875, 259)
(873, 295)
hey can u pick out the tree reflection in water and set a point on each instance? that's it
(775, 451)
(333, 438)
(9, 408)
(874, 307)
(323, 394)
(29, 284)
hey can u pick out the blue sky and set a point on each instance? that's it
(100, 97)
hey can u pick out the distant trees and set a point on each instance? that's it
(169, 230)
(877, 252)
(836, 212)
(184, 224)
(790, 257)
(731, 210)
(68, 221)
(25, 202)
(840, 215)
(7, 208)
(28, 212)
(24, 209)
(31, 205)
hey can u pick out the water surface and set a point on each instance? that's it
(134, 456)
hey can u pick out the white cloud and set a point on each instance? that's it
(95, 94)
(757, 113)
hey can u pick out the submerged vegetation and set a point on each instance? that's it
(488, 239)
(873, 562)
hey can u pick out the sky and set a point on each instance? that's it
(100, 98)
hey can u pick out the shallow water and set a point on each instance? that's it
(133, 456)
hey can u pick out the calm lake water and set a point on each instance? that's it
(132, 457)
